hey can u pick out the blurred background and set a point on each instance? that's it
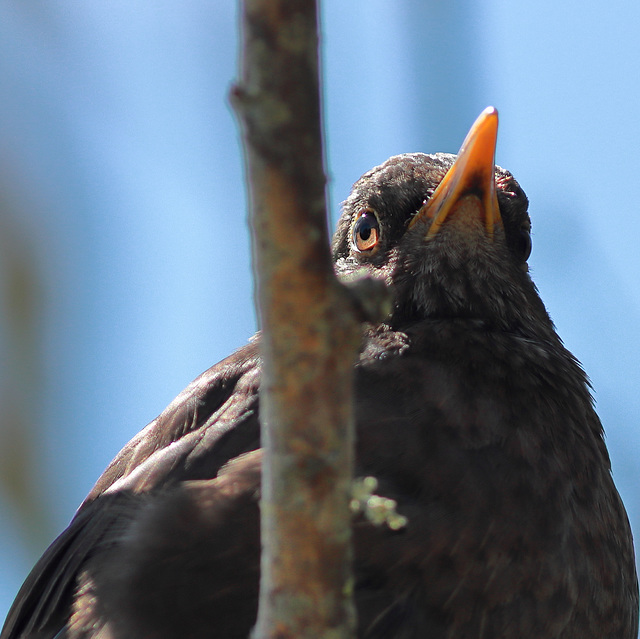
(124, 249)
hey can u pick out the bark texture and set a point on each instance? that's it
(310, 331)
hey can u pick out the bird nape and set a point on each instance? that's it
(469, 412)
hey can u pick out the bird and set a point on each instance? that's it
(470, 414)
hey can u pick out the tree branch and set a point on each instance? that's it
(310, 331)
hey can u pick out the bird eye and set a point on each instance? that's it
(366, 231)
(523, 243)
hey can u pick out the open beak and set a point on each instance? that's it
(469, 187)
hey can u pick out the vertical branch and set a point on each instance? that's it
(310, 333)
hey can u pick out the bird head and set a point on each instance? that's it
(449, 234)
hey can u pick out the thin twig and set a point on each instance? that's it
(310, 331)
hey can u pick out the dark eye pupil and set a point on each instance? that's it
(365, 230)
(525, 244)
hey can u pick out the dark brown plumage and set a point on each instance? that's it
(470, 413)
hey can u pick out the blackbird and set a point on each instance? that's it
(469, 412)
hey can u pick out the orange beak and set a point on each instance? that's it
(470, 184)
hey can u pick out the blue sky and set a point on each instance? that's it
(121, 177)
